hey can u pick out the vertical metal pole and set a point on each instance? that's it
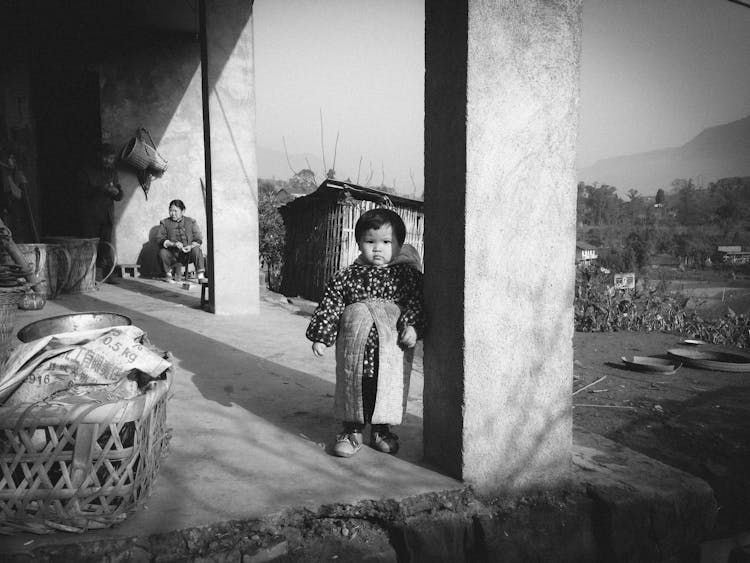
(207, 155)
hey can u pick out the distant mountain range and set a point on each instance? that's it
(717, 152)
(273, 164)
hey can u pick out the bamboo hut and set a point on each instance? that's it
(320, 232)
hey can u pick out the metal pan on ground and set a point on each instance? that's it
(652, 364)
(692, 342)
(711, 359)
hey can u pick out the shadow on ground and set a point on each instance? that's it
(293, 401)
(158, 289)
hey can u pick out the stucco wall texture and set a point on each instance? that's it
(521, 71)
(234, 168)
(155, 85)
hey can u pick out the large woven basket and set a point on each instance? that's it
(82, 272)
(83, 466)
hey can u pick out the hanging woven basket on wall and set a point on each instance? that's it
(142, 156)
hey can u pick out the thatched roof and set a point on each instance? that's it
(338, 190)
(585, 246)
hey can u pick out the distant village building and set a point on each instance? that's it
(625, 280)
(729, 248)
(733, 254)
(320, 232)
(585, 254)
(664, 261)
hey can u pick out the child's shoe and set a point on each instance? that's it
(347, 444)
(383, 440)
(202, 277)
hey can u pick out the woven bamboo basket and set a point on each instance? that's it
(9, 299)
(82, 272)
(141, 156)
(75, 467)
(134, 153)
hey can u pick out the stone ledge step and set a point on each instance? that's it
(643, 510)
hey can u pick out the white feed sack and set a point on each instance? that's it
(103, 360)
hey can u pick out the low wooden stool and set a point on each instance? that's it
(124, 270)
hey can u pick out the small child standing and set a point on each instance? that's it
(374, 312)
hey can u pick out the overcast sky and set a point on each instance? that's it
(654, 74)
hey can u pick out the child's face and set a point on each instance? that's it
(379, 246)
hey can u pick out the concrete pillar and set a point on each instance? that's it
(501, 96)
(234, 189)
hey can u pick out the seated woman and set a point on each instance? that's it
(179, 241)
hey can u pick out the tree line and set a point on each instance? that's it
(687, 221)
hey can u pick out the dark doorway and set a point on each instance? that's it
(68, 126)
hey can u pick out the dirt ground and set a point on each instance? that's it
(696, 420)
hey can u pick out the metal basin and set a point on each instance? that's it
(653, 364)
(71, 323)
(717, 360)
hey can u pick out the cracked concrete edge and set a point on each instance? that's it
(618, 504)
(455, 525)
(248, 535)
(253, 541)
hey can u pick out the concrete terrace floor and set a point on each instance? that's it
(250, 413)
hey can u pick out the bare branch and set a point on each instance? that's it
(286, 153)
(311, 170)
(359, 167)
(413, 183)
(322, 146)
(335, 148)
(382, 170)
(369, 178)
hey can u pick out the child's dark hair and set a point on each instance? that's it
(376, 218)
(177, 203)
